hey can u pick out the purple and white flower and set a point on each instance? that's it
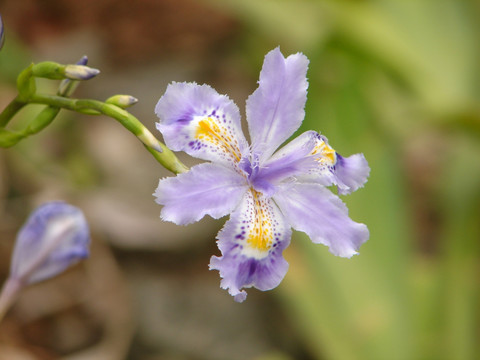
(266, 191)
(55, 236)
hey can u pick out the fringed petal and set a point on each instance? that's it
(294, 160)
(276, 109)
(207, 189)
(196, 119)
(313, 209)
(310, 159)
(351, 173)
(252, 242)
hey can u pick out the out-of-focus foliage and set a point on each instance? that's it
(398, 81)
(394, 79)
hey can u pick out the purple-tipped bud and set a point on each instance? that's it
(83, 60)
(122, 101)
(55, 236)
(2, 35)
(67, 86)
(80, 72)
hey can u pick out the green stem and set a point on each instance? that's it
(168, 160)
(161, 153)
(9, 112)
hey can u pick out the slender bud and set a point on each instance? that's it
(56, 71)
(148, 139)
(122, 101)
(83, 60)
(55, 236)
(67, 86)
(80, 72)
(2, 34)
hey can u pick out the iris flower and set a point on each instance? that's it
(266, 190)
(55, 236)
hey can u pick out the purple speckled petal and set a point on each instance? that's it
(276, 109)
(351, 173)
(293, 160)
(252, 242)
(55, 236)
(310, 159)
(196, 119)
(313, 209)
(207, 189)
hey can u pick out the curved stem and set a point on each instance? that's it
(9, 112)
(168, 162)
(161, 153)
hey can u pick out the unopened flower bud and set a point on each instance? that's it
(54, 237)
(148, 139)
(80, 72)
(67, 86)
(56, 71)
(83, 60)
(122, 101)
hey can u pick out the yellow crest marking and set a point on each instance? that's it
(210, 131)
(260, 236)
(327, 154)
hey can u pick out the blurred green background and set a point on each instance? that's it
(397, 80)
